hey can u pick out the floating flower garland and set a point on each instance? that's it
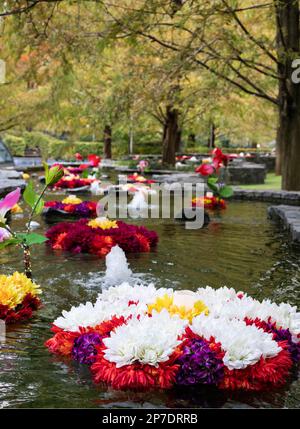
(71, 182)
(98, 236)
(18, 298)
(139, 337)
(74, 206)
(209, 202)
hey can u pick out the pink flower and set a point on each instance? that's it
(4, 235)
(205, 169)
(94, 160)
(8, 202)
(142, 165)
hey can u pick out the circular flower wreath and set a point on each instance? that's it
(18, 298)
(209, 203)
(99, 235)
(73, 206)
(139, 337)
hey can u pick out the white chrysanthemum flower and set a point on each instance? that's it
(91, 315)
(148, 340)
(243, 345)
(84, 315)
(225, 303)
(126, 292)
(112, 302)
(213, 296)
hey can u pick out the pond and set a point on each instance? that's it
(240, 248)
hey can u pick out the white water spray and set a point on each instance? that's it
(117, 267)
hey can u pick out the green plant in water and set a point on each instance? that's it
(36, 203)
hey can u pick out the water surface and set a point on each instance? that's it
(240, 248)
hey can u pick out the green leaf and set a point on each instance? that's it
(9, 242)
(212, 180)
(85, 174)
(31, 197)
(53, 174)
(226, 192)
(212, 184)
(32, 238)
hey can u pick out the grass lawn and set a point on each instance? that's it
(272, 182)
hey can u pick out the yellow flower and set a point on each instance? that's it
(16, 209)
(103, 223)
(72, 199)
(25, 176)
(183, 312)
(14, 288)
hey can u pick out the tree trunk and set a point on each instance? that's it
(107, 142)
(178, 141)
(170, 136)
(279, 138)
(212, 136)
(288, 135)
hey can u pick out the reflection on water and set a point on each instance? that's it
(240, 248)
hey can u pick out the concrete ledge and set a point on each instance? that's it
(9, 181)
(289, 217)
(7, 186)
(281, 197)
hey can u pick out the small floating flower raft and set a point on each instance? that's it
(18, 298)
(72, 206)
(139, 337)
(209, 202)
(99, 235)
(72, 182)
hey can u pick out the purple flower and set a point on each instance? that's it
(285, 335)
(84, 349)
(199, 365)
(82, 210)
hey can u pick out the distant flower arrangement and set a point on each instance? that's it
(210, 202)
(99, 235)
(73, 206)
(139, 337)
(137, 178)
(76, 170)
(18, 298)
(211, 168)
(69, 182)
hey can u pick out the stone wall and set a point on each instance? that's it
(281, 197)
(289, 218)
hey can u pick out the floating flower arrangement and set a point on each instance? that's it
(137, 178)
(71, 182)
(210, 202)
(139, 337)
(18, 298)
(73, 206)
(99, 235)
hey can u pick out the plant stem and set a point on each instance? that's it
(34, 208)
(27, 261)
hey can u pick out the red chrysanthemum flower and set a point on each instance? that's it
(62, 342)
(78, 237)
(135, 376)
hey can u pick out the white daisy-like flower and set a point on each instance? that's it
(148, 340)
(227, 303)
(84, 315)
(220, 295)
(137, 293)
(243, 345)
